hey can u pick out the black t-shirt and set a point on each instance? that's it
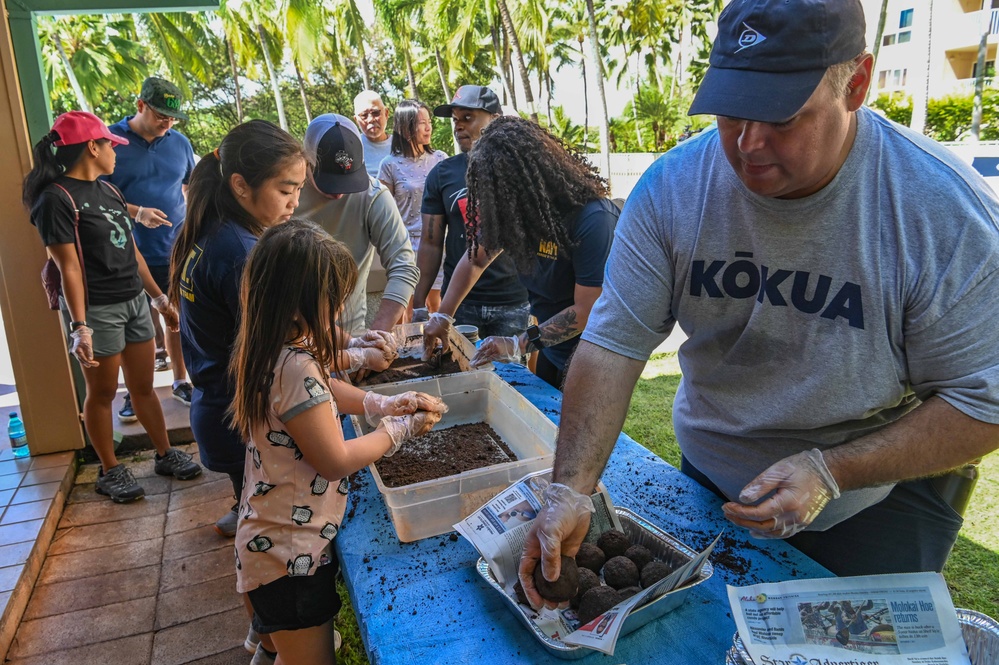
(105, 235)
(557, 270)
(445, 194)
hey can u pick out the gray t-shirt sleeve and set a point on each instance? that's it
(633, 315)
(389, 236)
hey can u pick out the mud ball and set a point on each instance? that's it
(562, 589)
(621, 572)
(590, 556)
(595, 602)
(628, 592)
(587, 580)
(653, 572)
(613, 543)
(518, 589)
(640, 555)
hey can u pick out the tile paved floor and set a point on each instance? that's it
(146, 583)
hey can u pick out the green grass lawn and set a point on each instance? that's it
(972, 571)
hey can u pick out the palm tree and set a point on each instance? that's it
(399, 18)
(598, 70)
(179, 40)
(525, 81)
(350, 33)
(304, 23)
(242, 47)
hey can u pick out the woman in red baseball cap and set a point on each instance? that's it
(88, 234)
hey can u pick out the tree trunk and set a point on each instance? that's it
(599, 73)
(301, 91)
(519, 56)
(497, 53)
(634, 100)
(440, 73)
(235, 81)
(365, 71)
(411, 75)
(278, 101)
(73, 82)
(586, 96)
(921, 91)
(976, 108)
(548, 87)
(872, 92)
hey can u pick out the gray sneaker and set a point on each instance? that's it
(178, 464)
(261, 657)
(119, 484)
(252, 639)
(226, 526)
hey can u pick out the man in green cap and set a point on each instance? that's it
(152, 173)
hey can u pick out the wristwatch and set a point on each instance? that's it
(534, 338)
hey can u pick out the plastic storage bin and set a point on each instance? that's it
(430, 508)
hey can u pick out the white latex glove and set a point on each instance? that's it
(378, 406)
(420, 314)
(559, 529)
(498, 349)
(802, 486)
(162, 305)
(83, 346)
(381, 339)
(403, 428)
(436, 329)
(151, 217)
(369, 357)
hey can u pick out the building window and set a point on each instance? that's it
(905, 19)
(898, 78)
(904, 36)
(888, 40)
(990, 69)
(882, 79)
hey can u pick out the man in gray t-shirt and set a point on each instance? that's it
(836, 276)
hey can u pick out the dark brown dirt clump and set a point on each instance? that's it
(404, 369)
(613, 543)
(595, 602)
(640, 555)
(590, 556)
(518, 589)
(562, 589)
(621, 572)
(587, 580)
(653, 572)
(442, 453)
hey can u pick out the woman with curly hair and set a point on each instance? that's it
(545, 206)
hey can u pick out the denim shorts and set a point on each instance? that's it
(294, 603)
(119, 324)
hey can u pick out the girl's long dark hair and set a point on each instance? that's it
(295, 281)
(407, 119)
(257, 150)
(49, 165)
(524, 187)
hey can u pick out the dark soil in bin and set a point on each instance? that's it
(404, 369)
(445, 452)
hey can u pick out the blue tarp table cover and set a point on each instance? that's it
(424, 602)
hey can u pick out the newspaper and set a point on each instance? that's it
(498, 530)
(871, 620)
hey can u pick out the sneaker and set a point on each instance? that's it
(226, 526)
(127, 414)
(337, 640)
(182, 392)
(178, 464)
(262, 657)
(251, 641)
(119, 484)
(161, 364)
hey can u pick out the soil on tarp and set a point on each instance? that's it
(404, 369)
(443, 453)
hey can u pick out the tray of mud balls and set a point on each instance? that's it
(980, 632)
(617, 565)
(410, 366)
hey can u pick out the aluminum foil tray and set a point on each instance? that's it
(640, 531)
(981, 635)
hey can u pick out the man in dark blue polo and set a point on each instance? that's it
(152, 173)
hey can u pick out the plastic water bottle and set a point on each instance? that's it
(18, 439)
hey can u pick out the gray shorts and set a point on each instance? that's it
(119, 324)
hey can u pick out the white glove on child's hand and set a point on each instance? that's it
(403, 428)
(371, 358)
(381, 339)
(378, 406)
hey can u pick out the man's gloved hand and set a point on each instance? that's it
(371, 358)
(381, 339)
(151, 217)
(559, 529)
(498, 349)
(420, 314)
(802, 486)
(403, 428)
(437, 328)
(83, 346)
(162, 305)
(378, 406)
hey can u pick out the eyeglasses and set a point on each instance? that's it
(374, 114)
(162, 118)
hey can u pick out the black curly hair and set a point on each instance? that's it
(524, 187)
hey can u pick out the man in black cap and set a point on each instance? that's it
(152, 173)
(837, 276)
(497, 304)
(360, 212)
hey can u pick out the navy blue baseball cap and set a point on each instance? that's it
(770, 55)
(334, 144)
